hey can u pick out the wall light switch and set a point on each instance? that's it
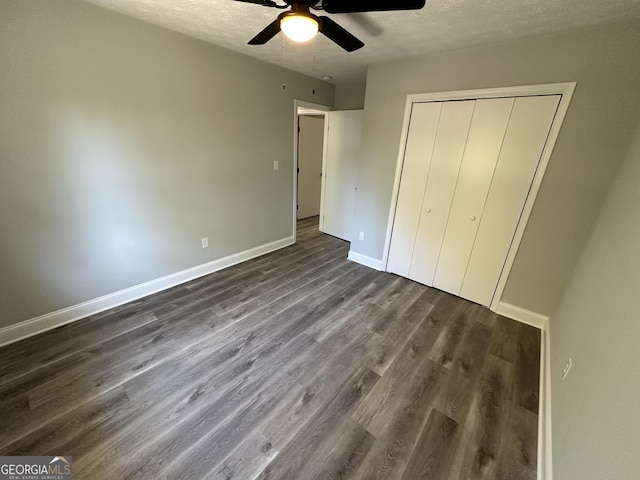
(276, 165)
(205, 242)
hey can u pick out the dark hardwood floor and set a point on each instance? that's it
(295, 365)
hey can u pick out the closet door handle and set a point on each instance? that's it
(472, 218)
(428, 210)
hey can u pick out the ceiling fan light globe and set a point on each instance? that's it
(299, 28)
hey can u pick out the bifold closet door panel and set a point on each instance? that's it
(522, 148)
(488, 127)
(423, 126)
(448, 150)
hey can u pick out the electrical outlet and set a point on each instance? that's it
(567, 367)
(361, 236)
(276, 165)
(205, 242)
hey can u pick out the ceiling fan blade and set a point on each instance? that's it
(267, 34)
(264, 3)
(366, 23)
(351, 6)
(339, 35)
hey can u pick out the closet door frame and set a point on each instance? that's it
(564, 89)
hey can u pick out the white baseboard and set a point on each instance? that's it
(366, 261)
(522, 315)
(28, 328)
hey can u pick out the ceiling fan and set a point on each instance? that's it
(300, 25)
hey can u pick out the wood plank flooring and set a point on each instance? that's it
(295, 365)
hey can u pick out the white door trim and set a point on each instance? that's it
(302, 107)
(564, 89)
(323, 184)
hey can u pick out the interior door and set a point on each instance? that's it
(343, 131)
(310, 146)
(524, 141)
(486, 134)
(415, 171)
(453, 129)
(467, 171)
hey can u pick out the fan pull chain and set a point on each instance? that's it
(315, 45)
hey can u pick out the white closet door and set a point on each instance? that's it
(417, 159)
(343, 132)
(524, 141)
(448, 150)
(486, 135)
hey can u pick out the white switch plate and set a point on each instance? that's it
(205, 242)
(276, 165)
(361, 236)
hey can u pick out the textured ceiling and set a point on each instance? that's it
(441, 25)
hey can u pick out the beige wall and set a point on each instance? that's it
(122, 144)
(596, 133)
(350, 96)
(595, 409)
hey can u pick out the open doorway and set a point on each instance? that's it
(310, 151)
(309, 144)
